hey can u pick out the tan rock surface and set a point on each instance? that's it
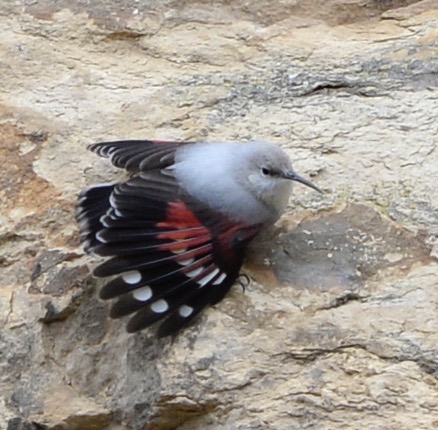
(339, 327)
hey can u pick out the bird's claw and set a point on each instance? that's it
(243, 280)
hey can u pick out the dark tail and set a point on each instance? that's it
(93, 203)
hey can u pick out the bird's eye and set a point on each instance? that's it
(266, 171)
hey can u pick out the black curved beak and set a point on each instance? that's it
(294, 177)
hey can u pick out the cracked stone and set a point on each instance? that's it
(338, 325)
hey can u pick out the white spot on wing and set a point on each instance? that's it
(179, 251)
(195, 272)
(206, 279)
(220, 279)
(160, 306)
(143, 294)
(131, 277)
(185, 311)
(186, 262)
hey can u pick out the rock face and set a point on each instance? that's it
(339, 326)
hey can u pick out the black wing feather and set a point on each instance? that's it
(136, 155)
(172, 255)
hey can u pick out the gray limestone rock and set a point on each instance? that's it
(339, 325)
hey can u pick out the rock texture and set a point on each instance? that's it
(339, 325)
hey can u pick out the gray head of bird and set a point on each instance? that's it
(268, 175)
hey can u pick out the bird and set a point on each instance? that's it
(174, 233)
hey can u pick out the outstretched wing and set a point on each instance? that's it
(172, 255)
(138, 155)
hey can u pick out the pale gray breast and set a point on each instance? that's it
(206, 171)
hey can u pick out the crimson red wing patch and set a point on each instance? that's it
(171, 255)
